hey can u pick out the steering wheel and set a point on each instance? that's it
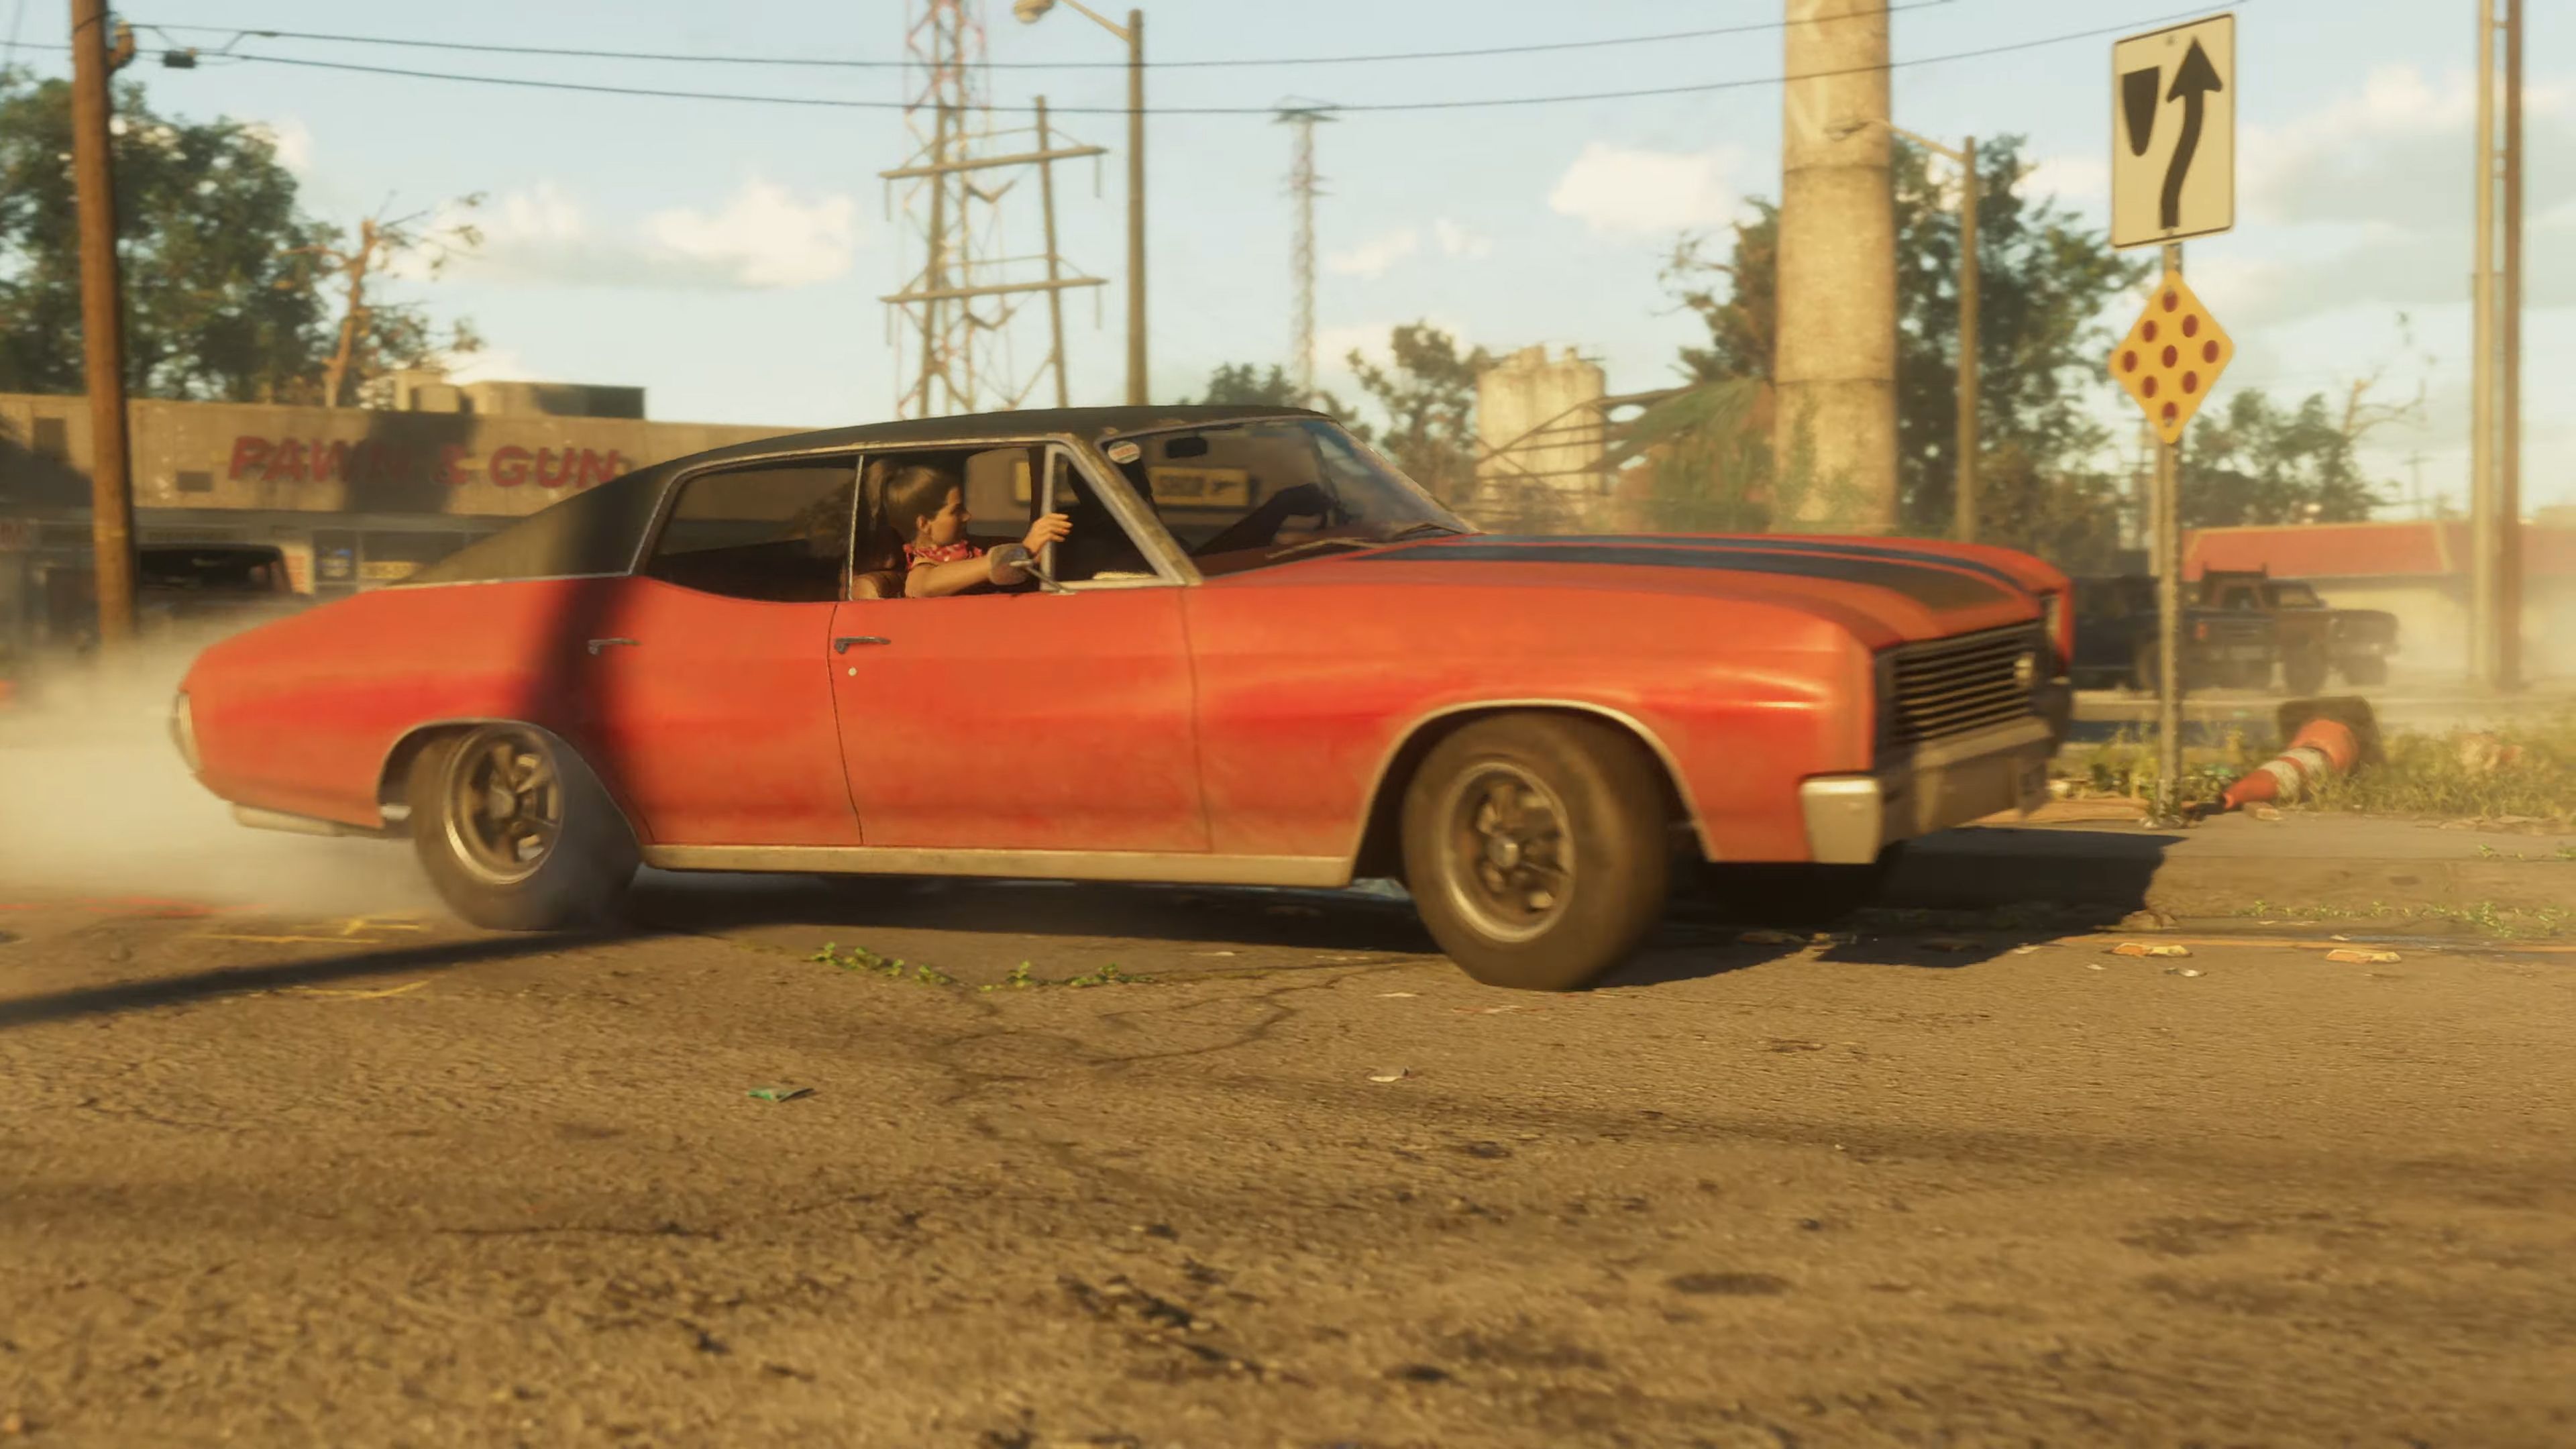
(1261, 525)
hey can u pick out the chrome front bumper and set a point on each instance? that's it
(1851, 818)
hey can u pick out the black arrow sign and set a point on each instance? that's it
(2192, 85)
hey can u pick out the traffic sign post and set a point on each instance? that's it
(2173, 175)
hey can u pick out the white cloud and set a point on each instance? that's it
(2393, 151)
(1371, 258)
(764, 236)
(1457, 241)
(1618, 191)
(293, 142)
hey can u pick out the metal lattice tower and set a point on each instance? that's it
(952, 321)
(1302, 185)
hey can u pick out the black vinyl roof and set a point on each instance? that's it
(601, 529)
(1094, 424)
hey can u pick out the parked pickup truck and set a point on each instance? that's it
(211, 587)
(2115, 639)
(2310, 636)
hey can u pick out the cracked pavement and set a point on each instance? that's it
(379, 1179)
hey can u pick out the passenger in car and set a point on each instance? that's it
(926, 507)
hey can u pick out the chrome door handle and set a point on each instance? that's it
(842, 646)
(598, 644)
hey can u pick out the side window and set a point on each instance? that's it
(778, 533)
(1099, 548)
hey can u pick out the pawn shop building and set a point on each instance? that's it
(353, 497)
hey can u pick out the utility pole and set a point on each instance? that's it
(2169, 610)
(1835, 363)
(1136, 389)
(1054, 262)
(2508, 500)
(2495, 535)
(103, 319)
(1969, 362)
(1301, 185)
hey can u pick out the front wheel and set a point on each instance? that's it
(515, 831)
(1536, 848)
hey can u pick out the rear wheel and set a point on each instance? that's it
(2303, 669)
(1536, 849)
(2144, 665)
(515, 831)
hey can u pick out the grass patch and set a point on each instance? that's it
(2486, 917)
(859, 959)
(2526, 769)
(2518, 772)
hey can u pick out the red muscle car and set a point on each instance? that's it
(1261, 656)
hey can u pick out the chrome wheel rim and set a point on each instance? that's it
(504, 806)
(1511, 851)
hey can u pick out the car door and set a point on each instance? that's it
(710, 696)
(1026, 720)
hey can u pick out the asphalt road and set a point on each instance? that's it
(276, 1177)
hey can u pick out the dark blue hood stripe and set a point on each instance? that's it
(1855, 549)
(1924, 582)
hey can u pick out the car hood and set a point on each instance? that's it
(1886, 592)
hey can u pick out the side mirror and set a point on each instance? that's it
(1012, 563)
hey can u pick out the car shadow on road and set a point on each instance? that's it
(145, 993)
(1355, 920)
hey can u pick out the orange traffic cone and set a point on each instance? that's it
(2328, 737)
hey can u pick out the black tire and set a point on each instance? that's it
(2365, 671)
(1537, 849)
(2143, 670)
(2303, 670)
(558, 854)
(2246, 676)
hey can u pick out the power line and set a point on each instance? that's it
(16, 19)
(832, 103)
(568, 53)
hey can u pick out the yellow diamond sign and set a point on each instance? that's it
(2172, 357)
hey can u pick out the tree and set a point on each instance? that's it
(1743, 321)
(221, 297)
(1428, 393)
(377, 338)
(2044, 281)
(2259, 462)
(1244, 384)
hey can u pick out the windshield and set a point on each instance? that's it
(1241, 495)
(212, 570)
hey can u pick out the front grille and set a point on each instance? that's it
(1954, 686)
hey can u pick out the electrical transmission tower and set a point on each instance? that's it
(1301, 185)
(951, 324)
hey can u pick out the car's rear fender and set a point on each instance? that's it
(308, 715)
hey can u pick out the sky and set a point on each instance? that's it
(729, 257)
